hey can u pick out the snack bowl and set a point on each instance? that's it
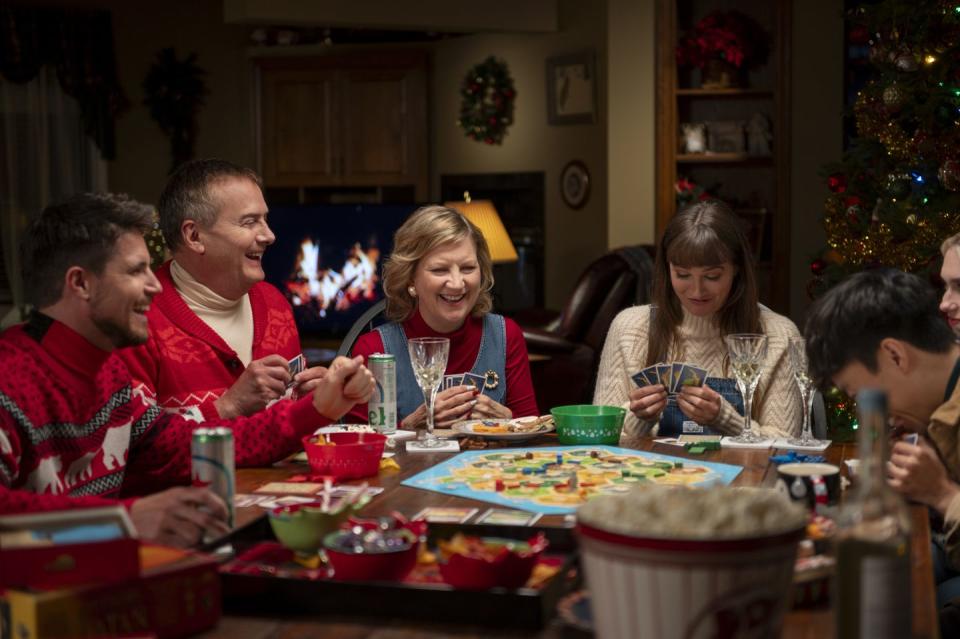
(481, 563)
(375, 550)
(588, 423)
(345, 455)
(302, 527)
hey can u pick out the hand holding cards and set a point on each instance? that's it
(672, 377)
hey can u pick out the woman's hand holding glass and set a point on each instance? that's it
(648, 402)
(700, 403)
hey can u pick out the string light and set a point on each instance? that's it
(930, 59)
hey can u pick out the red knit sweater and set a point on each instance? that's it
(464, 348)
(72, 434)
(185, 366)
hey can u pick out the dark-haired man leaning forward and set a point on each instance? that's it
(220, 337)
(882, 329)
(72, 432)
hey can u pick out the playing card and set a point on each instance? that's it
(289, 488)
(665, 375)
(650, 372)
(451, 515)
(640, 379)
(911, 438)
(691, 375)
(503, 517)
(296, 364)
(477, 381)
(675, 369)
(449, 381)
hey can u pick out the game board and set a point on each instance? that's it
(531, 479)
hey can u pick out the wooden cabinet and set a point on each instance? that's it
(757, 185)
(347, 120)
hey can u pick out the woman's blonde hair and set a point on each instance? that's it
(951, 242)
(426, 229)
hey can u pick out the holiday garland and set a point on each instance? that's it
(486, 107)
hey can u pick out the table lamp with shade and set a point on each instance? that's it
(485, 217)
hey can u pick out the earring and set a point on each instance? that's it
(412, 291)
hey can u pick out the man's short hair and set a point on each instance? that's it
(81, 231)
(848, 323)
(187, 195)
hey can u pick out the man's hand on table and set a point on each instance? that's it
(180, 516)
(916, 472)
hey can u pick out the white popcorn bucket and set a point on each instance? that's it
(687, 589)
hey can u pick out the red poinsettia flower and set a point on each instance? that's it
(726, 35)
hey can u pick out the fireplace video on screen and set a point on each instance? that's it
(328, 260)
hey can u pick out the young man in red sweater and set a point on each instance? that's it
(72, 432)
(220, 337)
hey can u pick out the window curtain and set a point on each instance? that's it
(46, 156)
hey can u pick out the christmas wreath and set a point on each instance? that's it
(486, 107)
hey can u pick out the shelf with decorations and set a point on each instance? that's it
(722, 124)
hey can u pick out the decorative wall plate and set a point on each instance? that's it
(575, 184)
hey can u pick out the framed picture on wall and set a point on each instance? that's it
(572, 88)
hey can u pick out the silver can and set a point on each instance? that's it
(382, 408)
(211, 453)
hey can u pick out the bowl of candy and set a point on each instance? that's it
(383, 549)
(302, 527)
(348, 455)
(480, 563)
(588, 424)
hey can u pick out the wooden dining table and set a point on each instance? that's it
(758, 470)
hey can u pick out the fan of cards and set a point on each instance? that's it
(466, 379)
(673, 376)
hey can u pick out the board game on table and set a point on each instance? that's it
(556, 480)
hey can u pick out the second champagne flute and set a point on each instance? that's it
(428, 356)
(747, 353)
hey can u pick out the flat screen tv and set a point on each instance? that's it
(328, 259)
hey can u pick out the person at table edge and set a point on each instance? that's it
(437, 283)
(72, 432)
(703, 289)
(220, 337)
(882, 329)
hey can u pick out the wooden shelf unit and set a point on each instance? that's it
(753, 181)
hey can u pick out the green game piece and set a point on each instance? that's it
(694, 450)
(711, 445)
(658, 473)
(678, 464)
(624, 473)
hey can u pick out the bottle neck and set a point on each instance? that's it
(872, 451)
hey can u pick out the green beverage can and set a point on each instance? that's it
(382, 408)
(212, 467)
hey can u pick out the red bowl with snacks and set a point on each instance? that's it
(345, 455)
(481, 563)
(375, 550)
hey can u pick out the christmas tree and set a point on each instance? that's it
(895, 196)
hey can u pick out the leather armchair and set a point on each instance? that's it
(566, 352)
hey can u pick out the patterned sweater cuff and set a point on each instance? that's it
(729, 421)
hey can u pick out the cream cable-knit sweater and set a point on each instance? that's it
(776, 401)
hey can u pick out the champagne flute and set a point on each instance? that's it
(798, 362)
(747, 352)
(428, 355)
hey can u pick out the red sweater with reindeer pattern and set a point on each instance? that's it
(185, 366)
(73, 434)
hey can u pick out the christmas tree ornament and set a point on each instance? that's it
(949, 175)
(907, 63)
(894, 97)
(898, 184)
(817, 266)
(837, 183)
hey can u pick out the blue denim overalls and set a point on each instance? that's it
(674, 423)
(492, 356)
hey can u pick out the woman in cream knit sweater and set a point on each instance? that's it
(704, 288)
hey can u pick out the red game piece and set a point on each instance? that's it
(499, 485)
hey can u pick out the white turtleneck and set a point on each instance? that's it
(230, 319)
(776, 402)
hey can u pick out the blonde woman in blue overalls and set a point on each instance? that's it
(704, 288)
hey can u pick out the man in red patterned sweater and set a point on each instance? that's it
(72, 432)
(220, 337)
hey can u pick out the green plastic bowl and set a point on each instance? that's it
(588, 424)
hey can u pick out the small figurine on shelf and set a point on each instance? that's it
(694, 137)
(758, 135)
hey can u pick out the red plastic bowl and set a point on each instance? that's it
(355, 455)
(508, 569)
(386, 566)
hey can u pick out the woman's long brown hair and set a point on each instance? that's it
(703, 234)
